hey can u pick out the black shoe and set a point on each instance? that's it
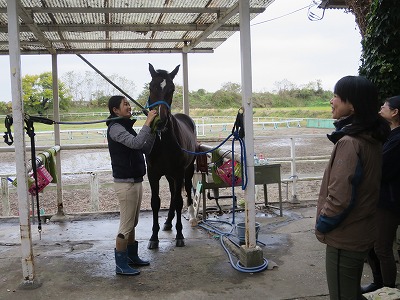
(372, 287)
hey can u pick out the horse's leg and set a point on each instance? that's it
(155, 206)
(171, 211)
(178, 200)
(188, 188)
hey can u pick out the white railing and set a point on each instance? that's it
(99, 135)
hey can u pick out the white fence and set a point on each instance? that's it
(214, 129)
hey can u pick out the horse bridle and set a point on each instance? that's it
(159, 103)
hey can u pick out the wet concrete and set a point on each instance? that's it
(75, 260)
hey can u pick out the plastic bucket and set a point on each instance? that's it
(241, 231)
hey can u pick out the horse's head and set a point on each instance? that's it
(162, 89)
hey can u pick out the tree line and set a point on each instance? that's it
(89, 91)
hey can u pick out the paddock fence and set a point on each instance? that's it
(302, 158)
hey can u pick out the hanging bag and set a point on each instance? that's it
(225, 172)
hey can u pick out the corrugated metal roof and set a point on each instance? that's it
(122, 26)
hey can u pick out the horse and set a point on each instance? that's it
(170, 155)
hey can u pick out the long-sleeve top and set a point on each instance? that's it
(126, 149)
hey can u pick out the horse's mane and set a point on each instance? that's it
(179, 130)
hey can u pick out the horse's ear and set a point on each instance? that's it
(152, 71)
(174, 72)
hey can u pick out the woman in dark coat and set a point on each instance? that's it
(381, 258)
(349, 192)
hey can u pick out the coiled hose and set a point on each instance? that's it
(236, 265)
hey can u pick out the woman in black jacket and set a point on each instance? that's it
(381, 258)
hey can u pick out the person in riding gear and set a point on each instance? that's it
(126, 149)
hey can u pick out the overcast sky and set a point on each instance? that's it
(289, 47)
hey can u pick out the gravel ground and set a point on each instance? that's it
(272, 144)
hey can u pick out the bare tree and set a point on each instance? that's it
(87, 86)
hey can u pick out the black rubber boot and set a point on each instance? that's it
(372, 287)
(133, 257)
(121, 264)
(374, 263)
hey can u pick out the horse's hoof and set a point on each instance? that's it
(193, 222)
(167, 227)
(180, 242)
(152, 245)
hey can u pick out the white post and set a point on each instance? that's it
(57, 139)
(247, 103)
(5, 196)
(251, 255)
(94, 191)
(185, 83)
(294, 172)
(27, 257)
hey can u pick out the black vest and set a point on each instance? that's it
(125, 162)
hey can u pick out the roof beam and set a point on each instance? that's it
(130, 10)
(117, 41)
(119, 27)
(114, 51)
(24, 15)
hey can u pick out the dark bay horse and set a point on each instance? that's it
(174, 133)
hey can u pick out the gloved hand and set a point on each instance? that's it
(154, 124)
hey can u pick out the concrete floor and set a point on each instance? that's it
(75, 260)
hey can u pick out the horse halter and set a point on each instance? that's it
(158, 104)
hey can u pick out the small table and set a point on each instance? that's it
(264, 174)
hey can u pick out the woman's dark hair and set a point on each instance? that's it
(114, 101)
(394, 102)
(363, 95)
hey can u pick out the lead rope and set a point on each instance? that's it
(8, 138)
(238, 135)
(30, 130)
